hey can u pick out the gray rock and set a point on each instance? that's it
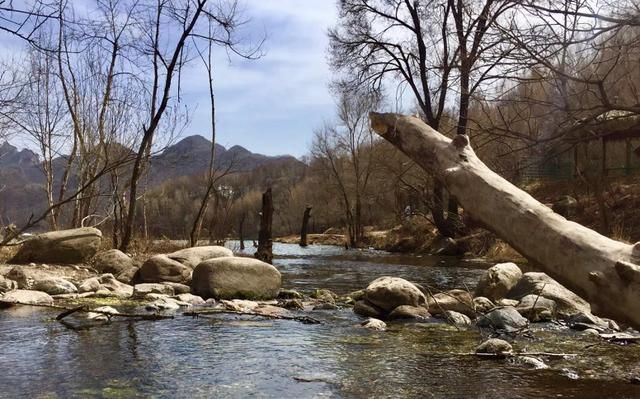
(290, 294)
(532, 362)
(64, 246)
(163, 304)
(190, 299)
(25, 278)
(27, 296)
(409, 312)
(567, 303)
(191, 257)
(160, 268)
(374, 324)
(115, 287)
(178, 288)
(592, 332)
(494, 346)
(482, 304)
(537, 308)
(91, 284)
(141, 290)
(457, 300)
(498, 280)
(55, 286)
(292, 304)
(507, 302)
(324, 295)
(505, 318)
(7, 284)
(101, 316)
(127, 276)
(582, 321)
(235, 277)
(457, 319)
(113, 261)
(324, 306)
(388, 293)
(363, 308)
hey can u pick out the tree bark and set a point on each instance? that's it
(305, 226)
(265, 252)
(602, 270)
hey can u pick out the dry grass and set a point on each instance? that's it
(7, 253)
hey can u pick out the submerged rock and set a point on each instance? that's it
(235, 277)
(388, 293)
(457, 300)
(505, 318)
(374, 324)
(64, 246)
(494, 346)
(498, 280)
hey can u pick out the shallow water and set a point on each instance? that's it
(239, 357)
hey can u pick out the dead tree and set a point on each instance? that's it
(305, 225)
(265, 244)
(604, 271)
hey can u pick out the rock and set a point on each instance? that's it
(537, 308)
(357, 295)
(190, 299)
(141, 290)
(457, 300)
(178, 288)
(457, 319)
(27, 296)
(161, 268)
(482, 304)
(567, 303)
(25, 278)
(324, 295)
(591, 332)
(289, 294)
(364, 308)
(240, 305)
(163, 304)
(65, 296)
(498, 280)
(445, 246)
(507, 302)
(113, 261)
(292, 304)
(495, 346)
(55, 286)
(89, 285)
(374, 324)
(101, 316)
(115, 287)
(64, 246)
(191, 257)
(7, 284)
(232, 277)
(532, 362)
(409, 312)
(505, 318)
(583, 321)
(566, 206)
(325, 306)
(388, 293)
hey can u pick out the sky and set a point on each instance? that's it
(270, 105)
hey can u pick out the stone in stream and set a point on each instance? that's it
(505, 318)
(324, 295)
(236, 277)
(498, 280)
(91, 284)
(388, 293)
(289, 294)
(364, 308)
(27, 297)
(141, 290)
(457, 319)
(190, 299)
(409, 312)
(494, 346)
(107, 286)
(191, 257)
(482, 304)
(63, 246)
(101, 316)
(537, 308)
(160, 268)
(567, 303)
(457, 300)
(374, 324)
(178, 288)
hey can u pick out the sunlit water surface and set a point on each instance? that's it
(239, 357)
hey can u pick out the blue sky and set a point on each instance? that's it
(270, 105)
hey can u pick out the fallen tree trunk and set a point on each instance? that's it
(602, 270)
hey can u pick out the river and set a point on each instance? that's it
(239, 357)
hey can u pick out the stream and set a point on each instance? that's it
(243, 357)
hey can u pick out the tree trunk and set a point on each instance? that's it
(241, 231)
(265, 252)
(305, 226)
(602, 270)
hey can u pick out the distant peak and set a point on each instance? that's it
(238, 149)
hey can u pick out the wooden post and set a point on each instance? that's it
(265, 245)
(305, 224)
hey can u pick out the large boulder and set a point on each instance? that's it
(498, 280)
(231, 277)
(192, 257)
(113, 261)
(506, 318)
(568, 303)
(7, 284)
(388, 293)
(161, 268)
(456, 300)
(64, 246)
(27, 297)
(55, 286)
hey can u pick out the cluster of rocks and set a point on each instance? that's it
(199, 272)
(505, 299)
